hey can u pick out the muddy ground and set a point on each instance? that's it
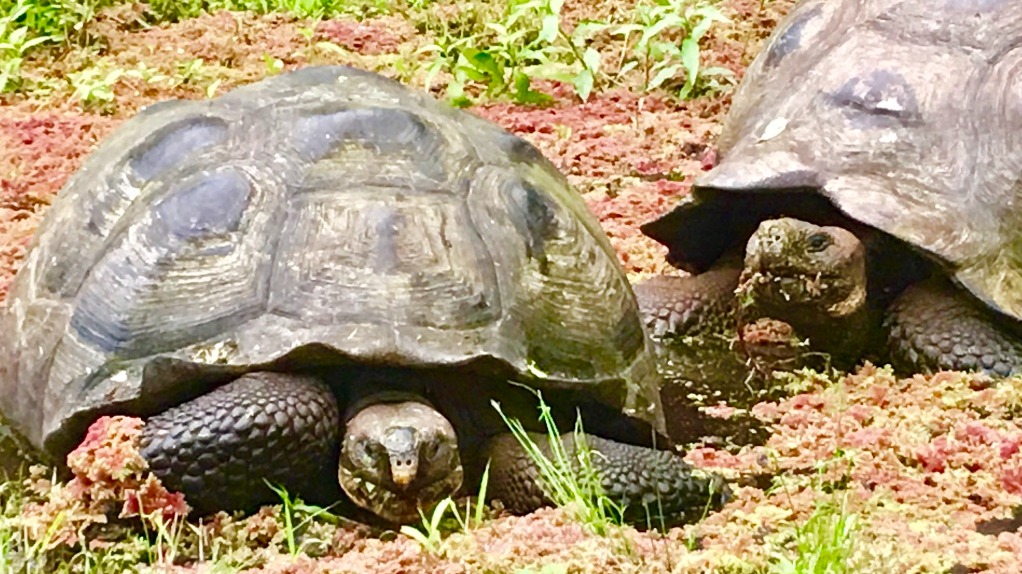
(929, 467)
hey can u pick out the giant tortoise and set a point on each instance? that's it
(871, 169)
(327, 277)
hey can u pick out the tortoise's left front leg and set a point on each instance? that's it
(653, 487)
(933, 326)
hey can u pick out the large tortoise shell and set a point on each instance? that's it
(327, 214)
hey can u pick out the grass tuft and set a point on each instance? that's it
(568, 480)
(823, 543)
(298, 516)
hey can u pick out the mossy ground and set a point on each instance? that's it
(929, 467)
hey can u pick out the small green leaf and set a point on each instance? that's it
(664, 74)
(211, 89)
(273, 65)
(700, 29)
(657, 28)
(484, 62)
(17, 37)
(34, 42)
(583, 83)
(690, 59)
(456, 95)
(550, 27)
(479, 66)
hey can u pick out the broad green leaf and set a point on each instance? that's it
(672, 21)
(551, 25)
(17, 37)
(690, 59)
(700, 29)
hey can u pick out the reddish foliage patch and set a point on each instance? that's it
(108, 453)
(152, 497)
(108, 468)
(109, 476)
(371, 37)
(231, 39)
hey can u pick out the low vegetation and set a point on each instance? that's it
(486, 50)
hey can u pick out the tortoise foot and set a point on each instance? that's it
(218, 448)
(932, 326)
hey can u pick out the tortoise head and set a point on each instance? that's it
(807, 275)
(399, 457)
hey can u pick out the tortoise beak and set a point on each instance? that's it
(403, 475)
(402, 446)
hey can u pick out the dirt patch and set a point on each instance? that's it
(372, 37)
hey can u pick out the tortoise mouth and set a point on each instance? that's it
(797, 297)
(789, 285)
(399, 506)
(781, 273)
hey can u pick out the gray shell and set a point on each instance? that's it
(327, 212)
(905, 114)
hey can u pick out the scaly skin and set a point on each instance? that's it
(655, 487)
(218, 448)
(397, 457)
(932, 326)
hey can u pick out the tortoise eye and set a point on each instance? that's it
(431, 449)
(818, 242)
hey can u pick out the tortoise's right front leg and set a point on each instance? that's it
(679, 306)
(217, 449)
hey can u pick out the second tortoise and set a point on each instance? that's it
(881, 199)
